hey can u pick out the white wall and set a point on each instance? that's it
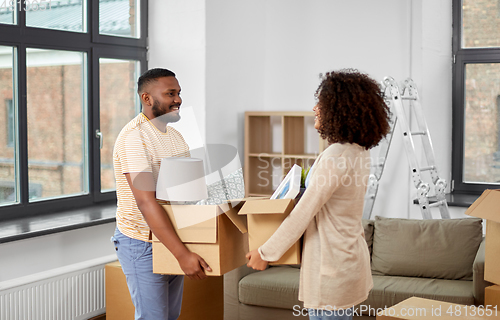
(267, 55)
(177, 42)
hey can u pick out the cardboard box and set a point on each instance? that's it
(220, 238)
(418, 308)
(492, 296)
(119, 305)
(201, 299)
(486, 207)
(264, 216)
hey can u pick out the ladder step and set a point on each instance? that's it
(418, 133)
(427, 168)
(437, 204)
(408, 98)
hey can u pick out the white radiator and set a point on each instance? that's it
(74, 292)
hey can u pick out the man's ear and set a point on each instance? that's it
(146, 99)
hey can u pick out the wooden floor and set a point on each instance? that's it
(101, 317)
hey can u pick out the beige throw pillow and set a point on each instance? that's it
(437, 248)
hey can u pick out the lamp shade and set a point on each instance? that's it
(181, 179)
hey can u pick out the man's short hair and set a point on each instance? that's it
(150, 76)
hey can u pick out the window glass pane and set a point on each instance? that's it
(119, 103)
(65, 15)
(481, 23)
(56, 123)
(7, 11)
(9, 177)
(119, 18)
(482, 121)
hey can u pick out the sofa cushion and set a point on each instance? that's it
(435, 248)
(388, 291)
(276, 287)
(368, 228)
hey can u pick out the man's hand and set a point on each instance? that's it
(193, 266)
(256, 261)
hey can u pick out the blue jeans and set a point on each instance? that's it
(155, 296)
(344, 314)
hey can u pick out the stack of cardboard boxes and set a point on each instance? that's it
(487, 207)
(220, 234)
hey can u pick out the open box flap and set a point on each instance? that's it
(486, 206)
(239, 221)
(276, 206)
(247, 199)
(197, 224)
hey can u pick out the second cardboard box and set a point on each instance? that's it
(264, 216)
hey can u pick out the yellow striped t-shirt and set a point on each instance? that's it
(140, 146)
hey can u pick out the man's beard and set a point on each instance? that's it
(168, 117)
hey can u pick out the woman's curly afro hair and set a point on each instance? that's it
(352, 109)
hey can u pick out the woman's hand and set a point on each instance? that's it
(256, 261)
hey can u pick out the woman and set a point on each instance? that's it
(335, 273)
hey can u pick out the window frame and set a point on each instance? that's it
(98, 53)
(462, 57)
(11, 122)
(95, 46)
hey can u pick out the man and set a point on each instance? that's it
(137, 154)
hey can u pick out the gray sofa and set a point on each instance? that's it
(434, 259)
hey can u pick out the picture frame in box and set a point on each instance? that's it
(290, 186)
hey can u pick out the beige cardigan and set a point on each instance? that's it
(335, 271)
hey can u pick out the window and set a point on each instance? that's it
(68, 73)
(119, 104)
(119, 18)
(57, 136)
(9, 174)
(65, 15)
(476, 91)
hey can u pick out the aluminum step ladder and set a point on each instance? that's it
(394, 98)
